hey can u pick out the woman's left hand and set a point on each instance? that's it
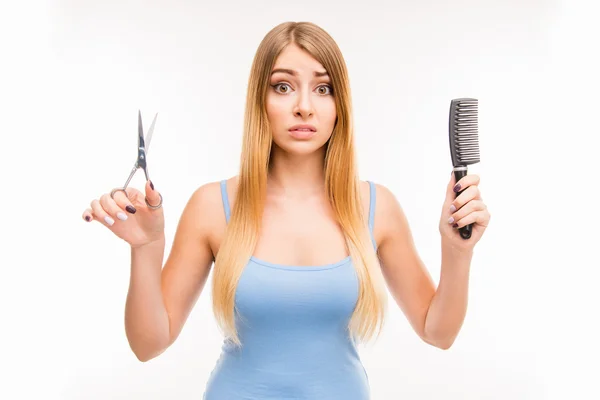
(467, 208)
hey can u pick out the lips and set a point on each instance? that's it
(302, 132)
(303, 128)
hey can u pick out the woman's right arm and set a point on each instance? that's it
(159, 300)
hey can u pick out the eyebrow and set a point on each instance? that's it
(318, 74)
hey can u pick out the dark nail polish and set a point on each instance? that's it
(130, 209)
(455, 226)
(152, 185)
(88, 218)
(457, 188)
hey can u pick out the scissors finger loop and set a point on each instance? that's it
(115, 190)
(156, 207)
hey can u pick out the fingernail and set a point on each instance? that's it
(130, 209)
(121, 215)
(457, 188)
(151, 185)
(109, 220)
(452, 208)
(455, 226)
(88, 218)
(450, 220)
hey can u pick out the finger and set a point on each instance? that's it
(100, 214)
(87, 215)
(466, 181)
(152, 194)
(470, 207)
(124, 202)
(469, 194)
(112, 208)
(449, 192)
(476, 217)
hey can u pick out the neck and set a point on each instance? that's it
(296, 175)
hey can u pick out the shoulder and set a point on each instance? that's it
(205, 204)
(388, 212)
(210, 194)
(207, 195)
(382, 195)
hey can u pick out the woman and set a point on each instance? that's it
(301, 247)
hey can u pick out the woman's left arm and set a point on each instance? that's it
(436, 315)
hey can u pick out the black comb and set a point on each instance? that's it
(464, 142)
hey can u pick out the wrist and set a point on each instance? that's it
(159, 242)
(456, 256)
(456, 251)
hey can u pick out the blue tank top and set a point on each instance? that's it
(295, 344)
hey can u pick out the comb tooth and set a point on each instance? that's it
(473, 153)
(467, 141)
(468, 147)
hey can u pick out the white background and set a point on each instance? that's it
(75, 73)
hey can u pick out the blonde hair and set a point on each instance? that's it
(341, 184)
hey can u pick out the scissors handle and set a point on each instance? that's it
(159, 205)
(124, 187)
(131, 174)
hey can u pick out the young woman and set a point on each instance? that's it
(302, 249)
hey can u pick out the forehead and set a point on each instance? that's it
(293, 57)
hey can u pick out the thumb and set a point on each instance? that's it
(152, 194)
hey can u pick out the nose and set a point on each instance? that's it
(303, 107)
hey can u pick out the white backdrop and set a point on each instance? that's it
(75, 74)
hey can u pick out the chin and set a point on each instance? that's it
(300, 147)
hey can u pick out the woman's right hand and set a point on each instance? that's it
(129, 218)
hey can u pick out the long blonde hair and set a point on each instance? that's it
(341, 184)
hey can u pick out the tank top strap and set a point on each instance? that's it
(225, 199)
(372, 204)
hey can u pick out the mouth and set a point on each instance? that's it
(303, 128)
(302, 132)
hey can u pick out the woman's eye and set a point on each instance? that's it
(278, 87)
(325, 89)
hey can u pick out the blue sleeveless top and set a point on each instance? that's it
(292, 326)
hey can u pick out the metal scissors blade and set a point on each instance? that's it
(141, 143)
(149, 134)
(145, 142)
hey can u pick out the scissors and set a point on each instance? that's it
(143, 146)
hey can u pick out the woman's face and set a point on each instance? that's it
(300, 104)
